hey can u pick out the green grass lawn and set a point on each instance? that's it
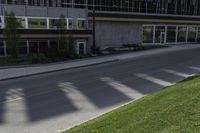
(175, 109)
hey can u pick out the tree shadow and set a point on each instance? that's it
(99, 93)
(2, 109)
(48, 105)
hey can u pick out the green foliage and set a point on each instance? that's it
(11, 33)
(66, 42)
(174, 109)
(38, 59)
(62, 23)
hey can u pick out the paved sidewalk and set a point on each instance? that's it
(8, 73)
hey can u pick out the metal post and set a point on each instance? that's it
(94, 29)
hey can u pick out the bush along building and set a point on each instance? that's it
(117, 22)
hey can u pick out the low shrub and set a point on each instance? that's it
(131, 45)
(38, 59)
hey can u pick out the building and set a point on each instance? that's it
(118, 22)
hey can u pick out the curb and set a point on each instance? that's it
(117, 58)
(101, 114)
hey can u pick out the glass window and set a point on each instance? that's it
(70, 24)
(2, 53)
(171, 34)
(54, 45)
(33, 46)
(34, 23)
(22, 23)
(158, 31)
(148, 34)
(23, 48)
(43, 46)
(81, 24)
(191, 34)
(40, 46)
(53, 23)
(182, 30)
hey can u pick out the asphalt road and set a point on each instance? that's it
(49, 103)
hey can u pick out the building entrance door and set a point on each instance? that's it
(162, 38)
(81, 48)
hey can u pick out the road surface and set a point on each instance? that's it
(50, 103)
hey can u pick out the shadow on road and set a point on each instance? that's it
(94, 88)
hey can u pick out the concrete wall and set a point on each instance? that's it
(108, 34)
(115, 34)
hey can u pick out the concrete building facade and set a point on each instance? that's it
(118, 22)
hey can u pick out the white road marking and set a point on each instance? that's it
(124, 89)
(154, 80)
(195, 68)
(13, 109)
(79, 100)
(177, 73)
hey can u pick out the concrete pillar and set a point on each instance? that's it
(154, 33)
(49, 44)
(38, 47)
(28, 48)
(187, 34)
(5, 49)
(26, 23)
(196, 39)
(3, 22)
(176, 34)
(165, 41)
(48, 26)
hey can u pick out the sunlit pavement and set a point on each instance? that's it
(52, 102)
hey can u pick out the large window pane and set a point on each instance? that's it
(81, 24)
(21, 22)
(70, 24)
(33, 46)
(148, 34)
(158, 31)
(23, 47)
(182, 30)
(55, 24)
(191, 34)
(34, 23)
(171, 34)
(43, 47)
(38, 46)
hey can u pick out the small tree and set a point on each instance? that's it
(62, 39)
(11, 33)
(70, 44)
(65, 40)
